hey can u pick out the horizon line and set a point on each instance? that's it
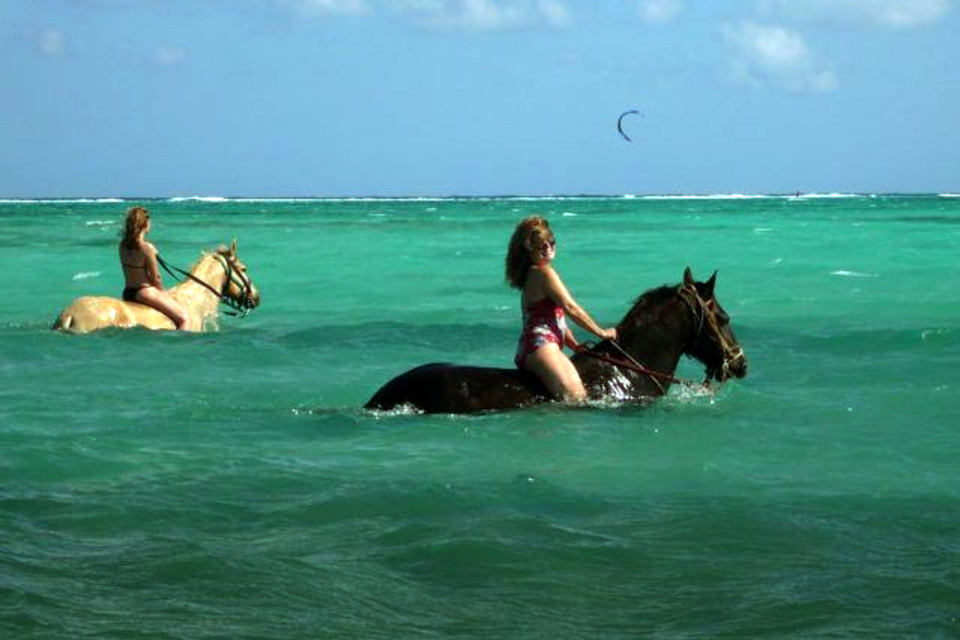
(414, 198)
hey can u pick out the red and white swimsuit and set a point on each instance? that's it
(543, 323)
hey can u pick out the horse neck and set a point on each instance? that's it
(200, 301)
(656, 336)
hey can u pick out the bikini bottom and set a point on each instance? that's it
(130, 293)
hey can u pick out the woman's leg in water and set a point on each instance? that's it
(557, 373)
(165, 304)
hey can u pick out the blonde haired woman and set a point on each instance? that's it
(546, 302)
(138, 258)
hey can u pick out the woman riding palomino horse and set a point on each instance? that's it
(546, 302)
(663, 324)
(138, 259)
(218, 276)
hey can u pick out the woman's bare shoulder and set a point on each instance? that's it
(546, 274)
(543, 271)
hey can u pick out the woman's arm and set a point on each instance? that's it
(553, 287)
(153, 270)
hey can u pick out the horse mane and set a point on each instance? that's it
(222, 250)
(647, 300)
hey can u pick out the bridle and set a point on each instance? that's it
(242, 304)
(705, 317)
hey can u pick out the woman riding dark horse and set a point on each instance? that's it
(664, 324)
(546, 303)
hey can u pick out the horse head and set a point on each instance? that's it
(238, 290)
(712, 342)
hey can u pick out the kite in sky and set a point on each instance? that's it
(620, 123)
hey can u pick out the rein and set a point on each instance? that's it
(701, 316)
(632, 365)
(241, 307)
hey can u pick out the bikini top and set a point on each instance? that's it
(134, 266)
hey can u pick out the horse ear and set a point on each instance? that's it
(711, 283)
(233, 248)
(687, 277)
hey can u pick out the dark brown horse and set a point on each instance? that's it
(664, 323)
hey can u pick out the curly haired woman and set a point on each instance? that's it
(546, 302)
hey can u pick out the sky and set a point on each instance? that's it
(397, 98)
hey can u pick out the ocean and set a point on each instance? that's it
(230, 485)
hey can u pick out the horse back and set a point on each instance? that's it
(91, 313)
(450, 388)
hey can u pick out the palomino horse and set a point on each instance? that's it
(664, 323)
(217, 277)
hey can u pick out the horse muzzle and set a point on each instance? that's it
(734, 366)
(247, 301)
(253, 299)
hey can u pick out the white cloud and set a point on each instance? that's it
(901, 14)
(50, 42)
(486, 15)
(166, 56)
(660, 11)
(768, 55)
(329, 7)
(555, 13)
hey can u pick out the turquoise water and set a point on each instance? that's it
(157, 485)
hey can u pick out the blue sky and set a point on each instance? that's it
(477, 97)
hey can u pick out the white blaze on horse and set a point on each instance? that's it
(218, 276)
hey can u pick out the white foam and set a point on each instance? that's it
(400, 410)
(86, 275)
(252, 200)
(305, 199)
(480, 198)
(60, 200)
(712, 196)
(606, 402)
(811, 196)
(685, 393)
(100, 223)
(852, 274)
(949, 195)
(507, 198)
(198, 199)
